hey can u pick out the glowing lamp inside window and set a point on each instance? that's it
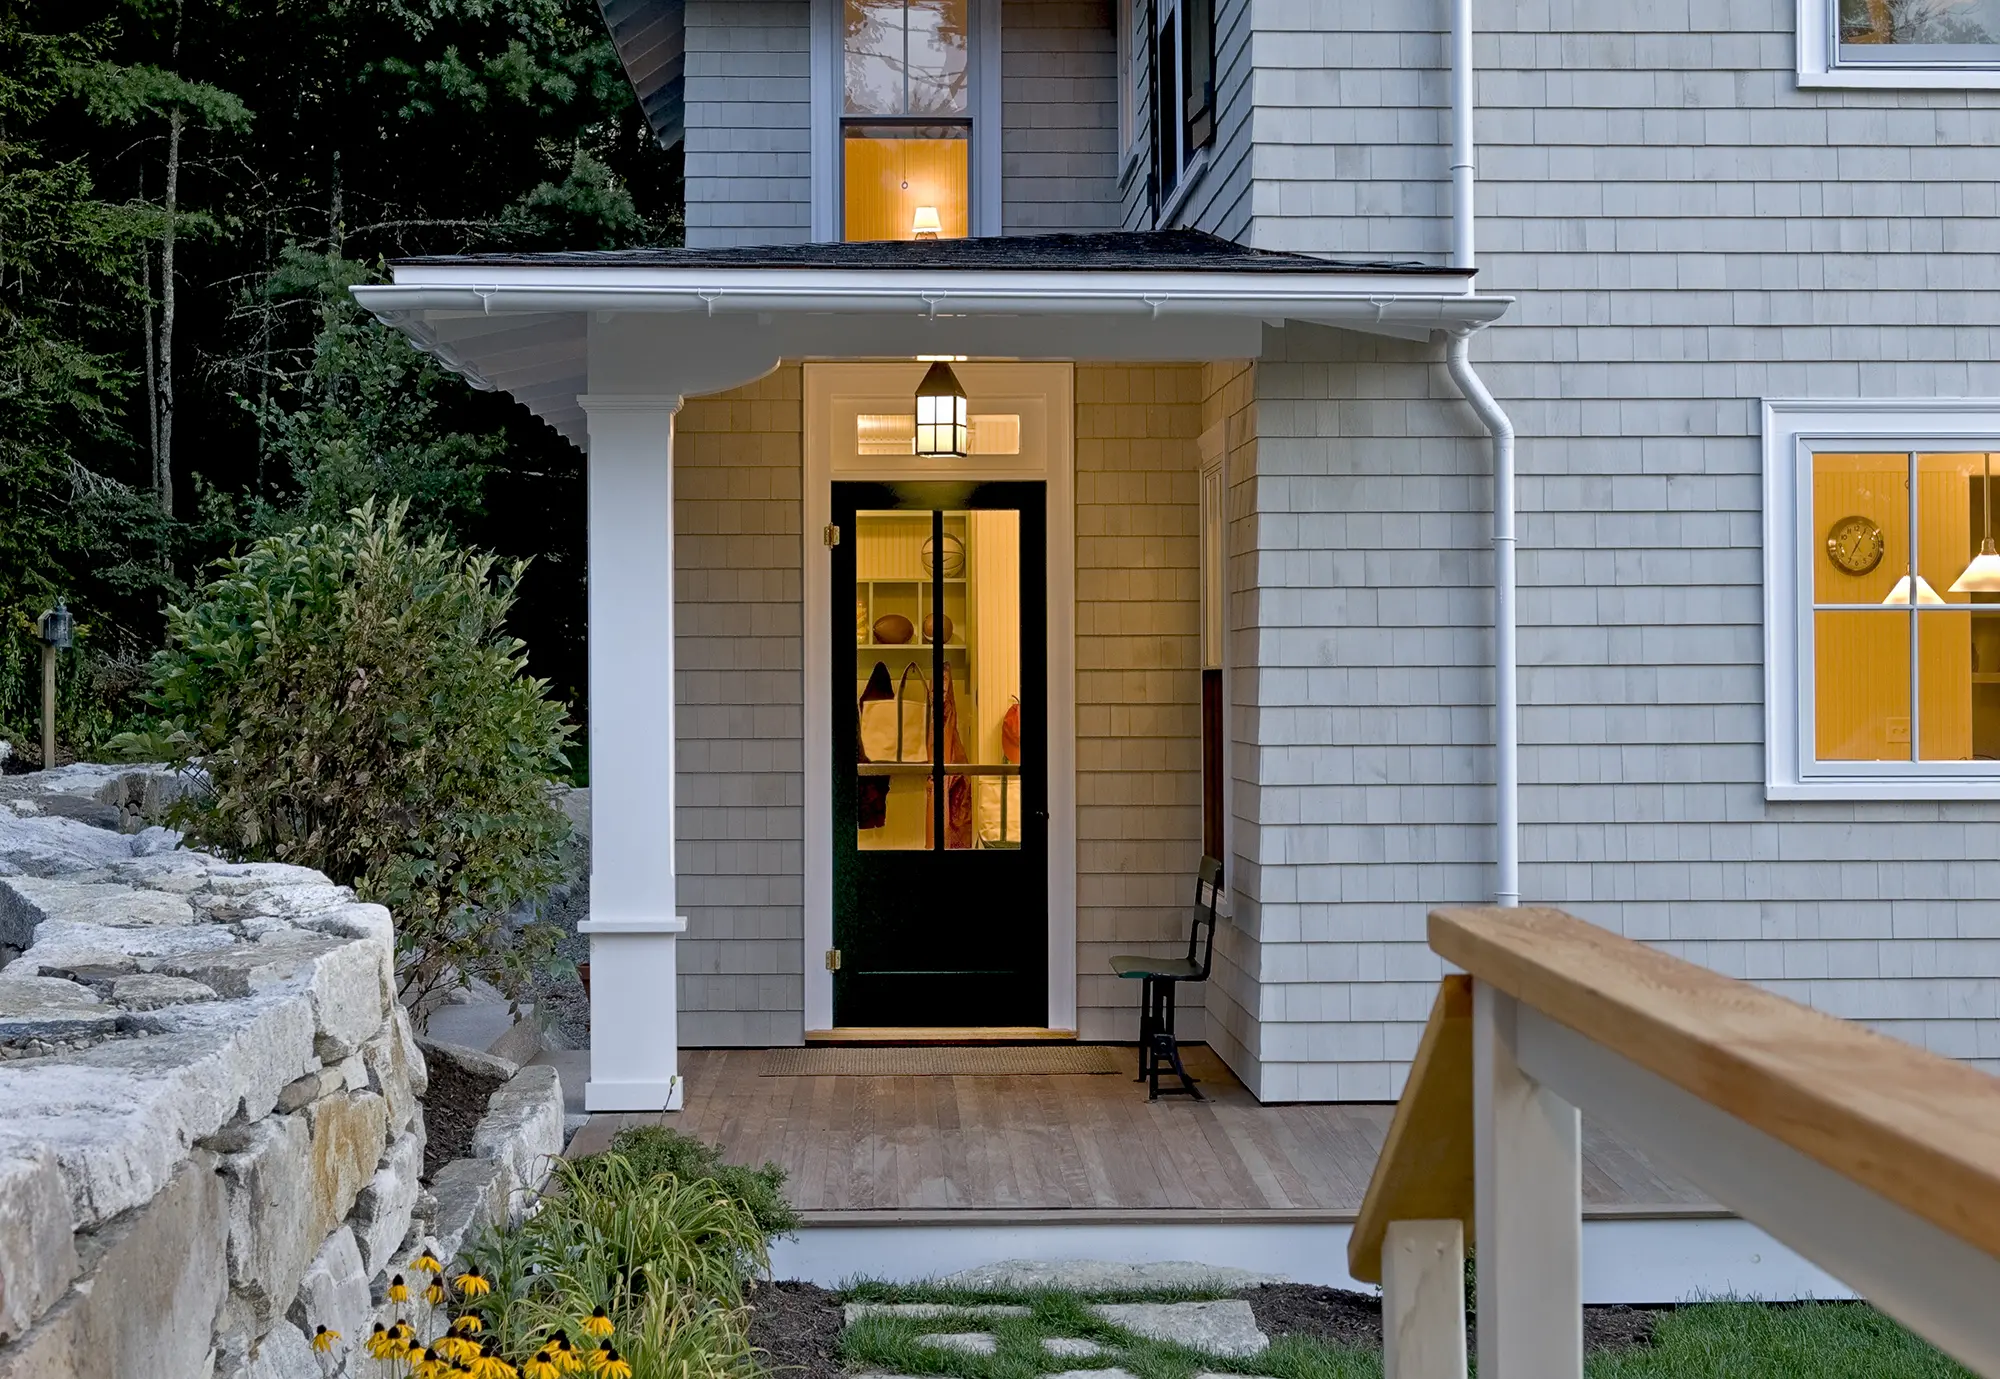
(941, 424)
(927, 225)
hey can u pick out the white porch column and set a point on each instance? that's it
(634, 1054)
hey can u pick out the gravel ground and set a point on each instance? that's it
(453, 1104)
(797, 1326)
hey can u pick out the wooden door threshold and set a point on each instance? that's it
(938, 1034)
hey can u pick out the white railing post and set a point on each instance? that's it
(1527, 1170)
(1423, 1300)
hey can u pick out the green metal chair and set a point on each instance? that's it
(1158, 977)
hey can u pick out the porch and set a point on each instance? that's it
(911, 1176)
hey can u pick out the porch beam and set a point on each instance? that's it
(634, 1055)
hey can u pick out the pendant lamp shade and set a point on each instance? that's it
(1982, 576)
(941, 424)
(1927, 597)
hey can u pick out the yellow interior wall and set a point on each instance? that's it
(1861, 660)
(879, 203)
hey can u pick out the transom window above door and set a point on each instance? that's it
(906, 119)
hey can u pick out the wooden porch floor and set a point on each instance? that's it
(1070, 1147)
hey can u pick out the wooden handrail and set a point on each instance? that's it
(1424, 1172)
(1917, 1129)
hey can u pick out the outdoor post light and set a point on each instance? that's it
(941, 414)
(55, 627)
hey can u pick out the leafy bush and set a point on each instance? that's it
(355, 706)
(655, 1151)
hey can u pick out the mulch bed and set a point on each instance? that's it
(453, 1103)
(1355, 1319)
(797, 1326)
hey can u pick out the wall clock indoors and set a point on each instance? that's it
(1854, 544)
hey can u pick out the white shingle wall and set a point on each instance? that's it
(1687, 233)
(1059, 116)
(738, 632)
(749, 123)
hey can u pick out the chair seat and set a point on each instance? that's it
(1174, 969)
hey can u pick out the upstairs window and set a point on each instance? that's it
(1900, 43)
(906, 119)
(1183, 80)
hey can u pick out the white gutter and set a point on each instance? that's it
(1458, 360)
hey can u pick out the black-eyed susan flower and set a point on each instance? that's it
(399, 1291)
(324, 1339)
(473, 1284)
(598, 1323)
(376, 1340)
(612, 1365)
(541, 1365)
(434, 1295)
(427, 1263)
(467, 1324)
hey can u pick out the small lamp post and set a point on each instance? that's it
(56, 627)
(941, 423)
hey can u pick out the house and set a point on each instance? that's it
(1253, 513)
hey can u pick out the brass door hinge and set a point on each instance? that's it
(833, 959)
(830, 534)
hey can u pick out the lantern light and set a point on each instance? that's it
(56, 626)
(941, 424)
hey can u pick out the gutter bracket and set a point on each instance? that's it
(709, 295)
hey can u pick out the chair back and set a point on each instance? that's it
(1201, 933)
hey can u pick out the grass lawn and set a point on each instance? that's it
(1720, 1340)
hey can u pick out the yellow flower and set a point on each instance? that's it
(473, 1284)
(399, 1291)
(541, 1365)
(377, 1340)
(323, 1339)
(434, 1295)
(467, 1324)
(598, 1323)
(610, 1365)
(427, 1263)
(566, 1355)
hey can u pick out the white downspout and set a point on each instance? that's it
(1457, 358)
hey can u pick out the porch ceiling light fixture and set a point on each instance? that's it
(941, 421)
(1982, 576)
(1927, 597)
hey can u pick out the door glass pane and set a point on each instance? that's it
(1861, 685)
(893, 673)
(989, 707)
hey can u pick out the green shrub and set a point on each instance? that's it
(656, 1151)
(356, 707)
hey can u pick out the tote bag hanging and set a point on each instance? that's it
(899, 729)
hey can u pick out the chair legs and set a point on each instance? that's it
(1159, 1049)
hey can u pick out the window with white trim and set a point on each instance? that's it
(1183, 88)
(1900, 43)
(906, 119)
(1882, 600)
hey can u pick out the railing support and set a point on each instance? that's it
(1423, 1300)
(1528, 1167)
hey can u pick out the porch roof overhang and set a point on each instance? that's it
(530, 324)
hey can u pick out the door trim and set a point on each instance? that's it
(891, 384)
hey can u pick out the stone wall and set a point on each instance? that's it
(211, 1138)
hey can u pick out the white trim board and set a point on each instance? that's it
(1793, 427)
(1052, 388)
(1624, 1261)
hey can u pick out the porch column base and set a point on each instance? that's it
(634, 1042)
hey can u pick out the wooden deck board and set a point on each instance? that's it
(931, 1146)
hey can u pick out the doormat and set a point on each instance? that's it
(1031, 1060)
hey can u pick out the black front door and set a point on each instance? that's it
(940, 749)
